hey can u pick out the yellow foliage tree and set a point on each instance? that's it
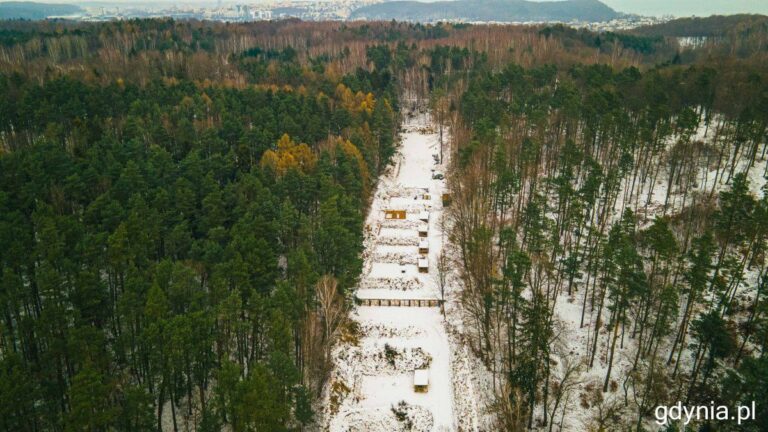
(368, 102)
(269, 160)
(289, 155)
(286, 162)
(355, 102)
(345, 95)
(350, 150)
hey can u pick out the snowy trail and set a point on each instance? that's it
(379, 368)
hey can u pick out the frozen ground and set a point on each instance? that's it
(371, 386)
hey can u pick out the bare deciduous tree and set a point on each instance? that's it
(331, 308)
(443, 268)
(320, 330)
(562, 386)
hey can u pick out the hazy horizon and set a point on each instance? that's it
(643, 7)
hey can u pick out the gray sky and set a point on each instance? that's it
(645, 7)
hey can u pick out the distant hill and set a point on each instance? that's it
(488, 10)
(35, 11)
(713, 26)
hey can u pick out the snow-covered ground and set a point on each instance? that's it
(371, 387)
(568, 309)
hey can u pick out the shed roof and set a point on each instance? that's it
(391, 294)
(421, 377)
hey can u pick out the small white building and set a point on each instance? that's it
(423, 231)
(424, 216)
(423, 265)
(424, 246)
(421, 380)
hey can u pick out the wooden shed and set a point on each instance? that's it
(447, 200)
(388, 298)
(394, 214)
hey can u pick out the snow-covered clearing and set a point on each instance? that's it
(371, 387)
